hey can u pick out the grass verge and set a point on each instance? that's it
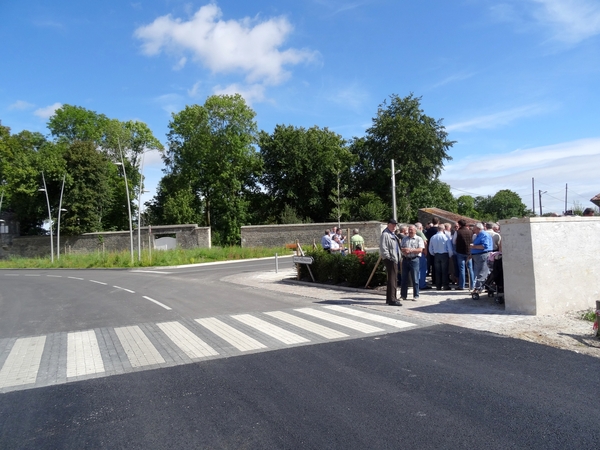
(156, 258)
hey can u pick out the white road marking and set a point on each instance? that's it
(349, 323)
(32, 275)
(138, 347)
(157, 302)
(187, 341)
(123, 289)
(23, 362)
(75, 278)
(374, 317)
(83, 354)
(11, 274)
(321, 330)
(239, 340)
(287, 337)
(98, 282)
(54, 276)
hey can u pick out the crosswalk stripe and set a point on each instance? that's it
(137, 346)
(236, 338)
(349, 323)
(287, 337)
(23, 362)
(187, 341)
(328, 333)
(374, 317)
(83, 354)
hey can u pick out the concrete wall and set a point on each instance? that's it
(188, 236)
(280, 235)
(550, 264)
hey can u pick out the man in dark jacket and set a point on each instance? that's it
(462, 245)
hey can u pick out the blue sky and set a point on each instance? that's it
(516, 81)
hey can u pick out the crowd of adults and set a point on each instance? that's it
(450, 254)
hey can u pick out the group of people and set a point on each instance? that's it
(447, 252)
(333, 241)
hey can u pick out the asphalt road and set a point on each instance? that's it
(407, 385)
(429, 388)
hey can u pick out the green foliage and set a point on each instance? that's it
(301, 167)
(466, 206)
(89, 187)
(211, 153)
(154, 259)
(417, 143)
(368, 206)
(334, 268)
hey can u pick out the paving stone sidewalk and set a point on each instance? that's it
(448, 307)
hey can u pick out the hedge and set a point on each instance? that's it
(334, 268)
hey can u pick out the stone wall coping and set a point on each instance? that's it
(550, 219)
(320, 224)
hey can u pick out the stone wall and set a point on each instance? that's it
(188, 236)
(280, 235)
(550, 264)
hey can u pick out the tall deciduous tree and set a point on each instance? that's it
(418, 144)
(301, 168)
(506, 204)
(211, 146)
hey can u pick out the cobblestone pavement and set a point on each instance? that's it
(566, 331)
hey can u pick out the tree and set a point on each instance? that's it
(89, 186)
(506, 204)
(120, 142)
(418, 144)
(23, 157)
(75, 123)
(301, 168)
(211, 146)
(368, 206)
(466, 206)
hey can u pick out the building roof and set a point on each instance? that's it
(596, 200)
(450, 216)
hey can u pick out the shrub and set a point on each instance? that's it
(336, 269)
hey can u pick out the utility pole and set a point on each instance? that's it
(566, 189)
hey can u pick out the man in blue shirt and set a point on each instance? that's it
(480, 248)
(326, 241)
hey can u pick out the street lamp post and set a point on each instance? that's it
(394, 172)
(49, 217)
(540, 193)
(122, 163)
(60, 209)
(139, 224)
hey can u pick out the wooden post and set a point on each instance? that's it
(373, 273)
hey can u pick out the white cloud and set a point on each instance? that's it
(572, 21)
(170, 102)
(249, 46)
(453, 78)
(352, 97)
(48, 111)
(193, 92)
(498, 119)
(567, 21)
(21, 105)
(574, 163)
(180, 64)
(251, 93)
